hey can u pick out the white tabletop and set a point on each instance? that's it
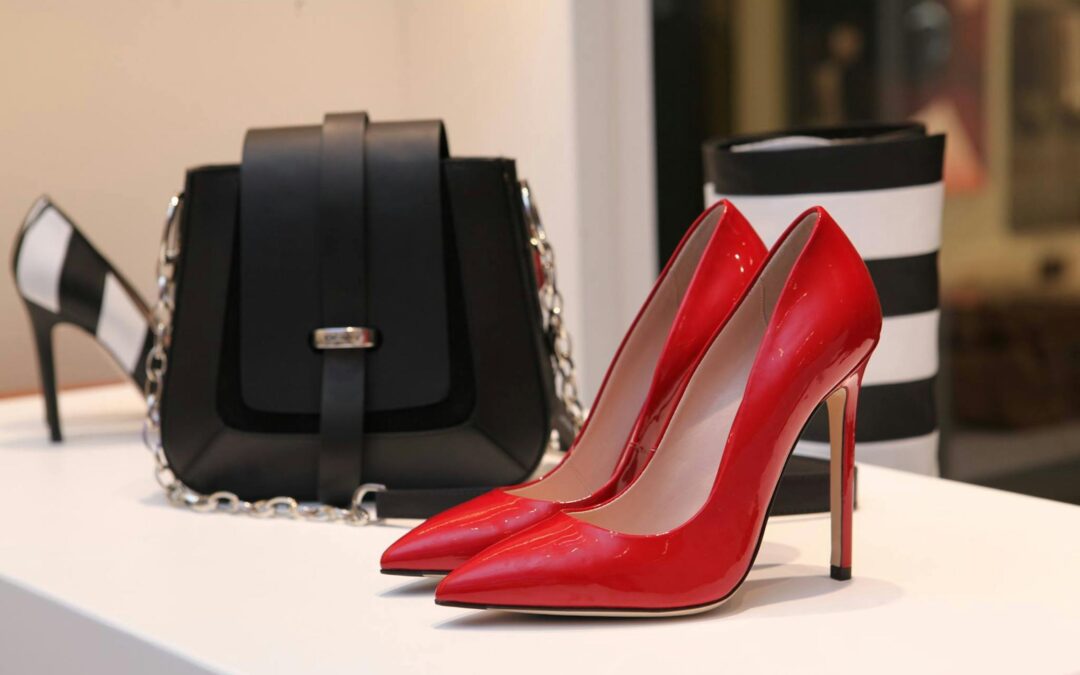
(99, 574)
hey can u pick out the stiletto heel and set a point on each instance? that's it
(42, 321)
(842, 405)
(63, 279)
(682, 537)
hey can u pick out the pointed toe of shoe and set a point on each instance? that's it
(419, 556)
(444, 542)
(539, 568)
(567, 566)
(487, 584)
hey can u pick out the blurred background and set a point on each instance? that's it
(605, 105)
(1002, 79)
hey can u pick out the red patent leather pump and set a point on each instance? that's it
(700, 284)
(683, 536)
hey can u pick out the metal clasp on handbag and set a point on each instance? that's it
(344, 337)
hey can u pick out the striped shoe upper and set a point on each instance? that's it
(58, 269)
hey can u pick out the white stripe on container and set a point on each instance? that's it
(889, 223)
(908, 350)
(918, 454)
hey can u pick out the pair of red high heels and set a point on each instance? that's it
(659, 507)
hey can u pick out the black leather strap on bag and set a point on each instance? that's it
(386, 174)
(343, 256)
(281, 258)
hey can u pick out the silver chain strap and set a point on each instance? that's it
(157, 364)
(551, 306)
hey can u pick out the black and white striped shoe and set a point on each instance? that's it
(883, 184)
(63, 279)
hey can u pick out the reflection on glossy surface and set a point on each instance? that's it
(705, 290)
(818, 331)
(445, 541)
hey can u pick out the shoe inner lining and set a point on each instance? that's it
(600, 445)
(676, 484)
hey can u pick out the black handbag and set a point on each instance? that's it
(352, 311)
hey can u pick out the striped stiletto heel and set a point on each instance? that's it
(62, 278)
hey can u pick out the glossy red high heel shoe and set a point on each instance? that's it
(704, 278)
(683, 536)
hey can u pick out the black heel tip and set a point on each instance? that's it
(840, 573)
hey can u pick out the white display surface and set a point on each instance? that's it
(99, 575)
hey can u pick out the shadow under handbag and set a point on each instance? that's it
(352, 313)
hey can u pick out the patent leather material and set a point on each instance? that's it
(727, 263)
(824, 322)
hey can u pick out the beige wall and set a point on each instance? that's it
(105, 104)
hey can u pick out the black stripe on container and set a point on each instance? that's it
(887, 412)
(887, 157)
(82, 283)
(906, 285)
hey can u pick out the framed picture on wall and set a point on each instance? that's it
(893, 60)
(1045, 116)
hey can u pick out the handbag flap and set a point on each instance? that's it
(403, 267)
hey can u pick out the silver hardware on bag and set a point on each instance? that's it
(345, 337)
(349, 337)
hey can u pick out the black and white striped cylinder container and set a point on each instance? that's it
(883, 185)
